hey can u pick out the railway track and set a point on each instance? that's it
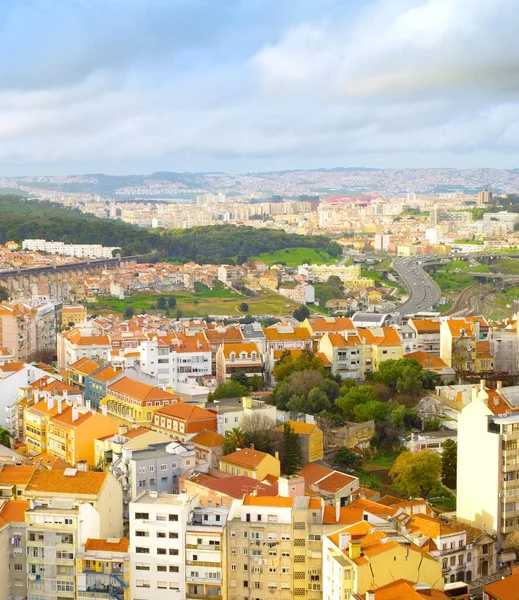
(469, 301)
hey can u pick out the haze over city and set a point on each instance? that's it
(138, 86)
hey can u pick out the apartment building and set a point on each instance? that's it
(72, 316)
(182, 421)
(319, 326)
(18, 329)
(310, 438)
(488, 434)
(103, 569)
(251, 463)
(98, 382)
(158, 526)
(230, 413)
(380, 344)
(13, 575)
(427, 335)
(274, 548)
(78, 372)
(345, 352)
(156, 468)
(134, 402)
(243, 358)
(208, 447)
(81, 342)
(464, 344)
(282, 336)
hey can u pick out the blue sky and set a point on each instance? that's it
(121, 86)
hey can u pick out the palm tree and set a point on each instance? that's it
(234, 439)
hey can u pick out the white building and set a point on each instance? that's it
(74, 250)
(158, 526)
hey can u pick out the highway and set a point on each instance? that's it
(423, 291)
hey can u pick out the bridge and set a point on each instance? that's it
(17, 280)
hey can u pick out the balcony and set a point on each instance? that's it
(208, 580)
(203, 563)
(204, 547)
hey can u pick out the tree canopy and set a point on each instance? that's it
(449, 463)
(292, 450)
(416, 473)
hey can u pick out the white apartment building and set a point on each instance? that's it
(158, 526)
(488, 434)
(55, 530)
(74, 250)
(187, 357)
(13, 577)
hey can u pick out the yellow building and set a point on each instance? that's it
(75, 315)
(77, 372)
(103, 569)
(380, 344)
(359, 558)
(251, 463)
(406, 250)
(310, 440)
(71, 434)
(134, 402)
(35, 424)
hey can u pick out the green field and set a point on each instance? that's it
(293, 257)
(201, 303)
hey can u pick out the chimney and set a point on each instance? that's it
(337, 510)
(122, 429)
(474, 392)
(291, 486)
(75, 413)
(276, 454)
(370, 595)
(50, 403)
(354, 549)
(60, 402)
(499, 385)
(482, 385)
(65, 397)
(104, 410)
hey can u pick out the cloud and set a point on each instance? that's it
(119, 85)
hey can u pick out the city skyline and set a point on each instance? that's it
(235, 86)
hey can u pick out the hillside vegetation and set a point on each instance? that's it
(27, 219)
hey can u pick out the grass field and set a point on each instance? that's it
(293, 257)
(203, 302)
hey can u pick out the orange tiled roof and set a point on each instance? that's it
(186, 412)
(49, 462)
(404, 590)
(106, 373)
(457, 326)
(299, 427)
(246, 457)
(338, 340)
(389, 336)
(87, 483)
(84, 365)
(374, 508)
(209, 439)
(139, 390)
(16, 474)
(65, 418)
(347, 516)
(274, 501)
(297, 333)
(330, 324)
(121, 545)
(13, 511)
(428, 361)
(504, 589)
(238, 348)
(426, 325)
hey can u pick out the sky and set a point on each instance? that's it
(136, 86)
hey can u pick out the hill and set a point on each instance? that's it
(27, 219)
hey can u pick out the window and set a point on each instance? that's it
(65, 586)
(469, 557)
(245, 551)
(142, 583)
(152, 482)
(152, 468)
(173, 569)
(245, 584)
(162, 585)
(18, 567)
(460, 559)
(160, 516)
(173, 517)
(233, 533)
(453, 561)
(162, 568)
(163, 467)
(461, 543)
(142, 567)
(233, 567)
(141, 550)
(163, 480)
(161, 550)
(173, 552)
(314, 537)
(140, 515)
(141, 533)
(245, 568)
(173, 535)
(161, 534)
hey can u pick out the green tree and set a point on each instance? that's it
(244, 307)
(5, 437)
(230, 389)
(404, 375)
(356, 396)
(242, 379)
(334, 281)
(449, 463)
(129, 312)
(317, 401)
(301, 313)
(161, 303)
(287, 364)
(4, 294)
(299, 383)
(347, 459)
(292, 455)
(234, 439)
(172, 301)
(371, 410)
(258, 431)
(416, 473)
(178, 314)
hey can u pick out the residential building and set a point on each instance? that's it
(13, 549)
(181, 421)
(78, 372)
(208, 447)
(134, 402)
(488, 430)
(232, 412)
(18, 329)
(80, 342)
(346, 354)
(505, 346)
(158, 526)
(360, 558)
(14, 479)
(380, 344)
(335, 487)
(71, 434)
(461, 346)
(99, 490)
(274, 547)
(286, 337)
(310, 439)
(430, 440)
(98, 382)
(156, 468)
(234, 359)
(103, 569)
(251, 463)
(224, 491)
(433, 364)
(427, 335)
(71, 316)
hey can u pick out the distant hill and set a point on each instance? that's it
(27, 219)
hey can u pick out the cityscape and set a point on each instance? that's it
(259, 300)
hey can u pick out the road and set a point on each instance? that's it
(424, 293)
